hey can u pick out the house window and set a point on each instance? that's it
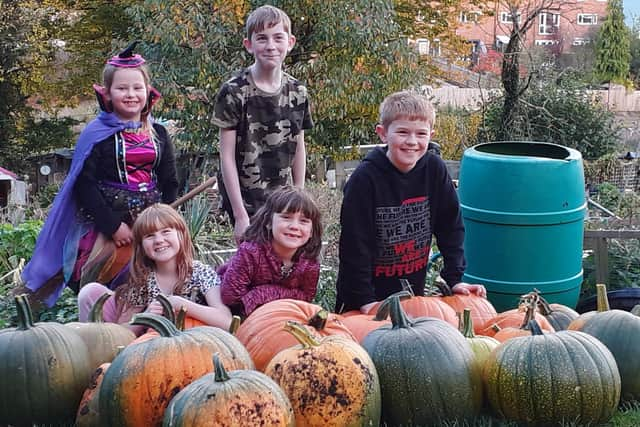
(463, 17)
(548, 23)
(546, 42)
(507, 17)
(580, 41)
(434, 48)
(423, 46)
(587, 19)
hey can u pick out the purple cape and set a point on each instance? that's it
(47, 259)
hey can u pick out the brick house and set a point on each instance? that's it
(565, 25)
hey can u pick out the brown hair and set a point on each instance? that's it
(407, 105)
(266, 16)
(108, 74)
(287, 199)
(154, 218)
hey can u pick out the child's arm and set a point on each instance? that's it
(166, 169)
(299, 168)
(231, 180)
(448, 226)
(215, 313)
(357, 246)
(237, 277)
(301, 288)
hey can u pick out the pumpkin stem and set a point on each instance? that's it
(160, 324)
(467, 324)
(530, 314)
(235, 324)
(406, 286)
(601, 297)
(167, 308)
(181, 317)
(543, 307)
(383, 309)
(25, 316)
(319, 320)
(496, 327)
(534, 327)
(301, 333)
(221, 374)
(399, 319)
(95, 316)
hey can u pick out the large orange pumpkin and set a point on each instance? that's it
(143, 378)
(263, 335)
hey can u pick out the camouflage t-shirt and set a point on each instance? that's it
(266, 125)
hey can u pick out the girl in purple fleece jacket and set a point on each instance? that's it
(278, 257)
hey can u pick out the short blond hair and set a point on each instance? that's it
(267, 16)
(407, 105)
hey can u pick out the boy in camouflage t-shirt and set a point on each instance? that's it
(262, 113)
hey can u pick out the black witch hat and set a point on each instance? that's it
(126, 58)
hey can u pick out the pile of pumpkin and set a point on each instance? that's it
(412, 361)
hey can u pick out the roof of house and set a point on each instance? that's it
(6, 174)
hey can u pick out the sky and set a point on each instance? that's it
(631, 8)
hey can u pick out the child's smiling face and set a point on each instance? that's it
(407, 141)
(270, 46)
(290, 232)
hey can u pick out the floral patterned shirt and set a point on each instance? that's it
(203, 278)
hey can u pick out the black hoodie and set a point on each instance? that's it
(388, 219)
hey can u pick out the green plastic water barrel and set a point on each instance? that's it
(523, 206)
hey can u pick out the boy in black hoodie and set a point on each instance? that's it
(394, 202)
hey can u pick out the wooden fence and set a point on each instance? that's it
(597, 240)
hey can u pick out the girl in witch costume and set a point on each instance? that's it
(123, 162)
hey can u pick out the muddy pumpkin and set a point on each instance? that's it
(245, 398)
(330, 381)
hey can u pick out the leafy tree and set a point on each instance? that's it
(515, 81)
(612, 46)
(634, 42)
(350, 54)
(561, 111)
(28, 34)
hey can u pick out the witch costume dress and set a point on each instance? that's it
(118, 169)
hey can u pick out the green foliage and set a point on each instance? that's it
(634, 65)
(350, 54)
(16, 243)
(559, 111)
(625, 204)
(612, 46)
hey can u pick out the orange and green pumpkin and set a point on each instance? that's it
(243, 397)
(330, 381)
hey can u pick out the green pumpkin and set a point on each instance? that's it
(44, 369)
(558, 315)
(427, 371)
(104, 339)
(245, 398)
(547, 379)
(616, 329)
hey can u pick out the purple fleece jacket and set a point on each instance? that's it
(253, 277)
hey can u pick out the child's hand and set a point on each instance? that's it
(123, 235)
(239, 228)
(177, 302)
(467, 289)
(154, 307)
